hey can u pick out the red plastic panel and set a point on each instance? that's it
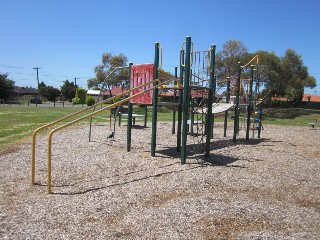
(141, 74)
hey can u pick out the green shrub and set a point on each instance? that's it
(76, 100)
(90, 101)
(117, 99)
(81, 93)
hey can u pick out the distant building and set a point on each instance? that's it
(23, 92)
(95, 94)
(311, 98)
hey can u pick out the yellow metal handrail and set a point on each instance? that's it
(82, 118)
(89, 115)
(255, 57)
(33, 160)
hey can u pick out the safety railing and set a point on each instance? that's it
(33, 160)
(160, 83)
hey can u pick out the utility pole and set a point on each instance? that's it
(75, 82)
(37, 68)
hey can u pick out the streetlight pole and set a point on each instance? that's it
(37, 68)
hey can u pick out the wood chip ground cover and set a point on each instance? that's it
(264, 188)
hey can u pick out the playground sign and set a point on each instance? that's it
(141, 74)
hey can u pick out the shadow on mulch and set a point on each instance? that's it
(196, 151)
(118, 184)
(213, 160)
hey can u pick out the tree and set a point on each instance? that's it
(269, 73)
(82, 95)
(285, 77)
(296, 77)
(233, 51)
(42, 84)
(103, 78)
(50, 93)
(6, 86)
(68, 90)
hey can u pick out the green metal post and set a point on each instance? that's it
(212, 89)
(236, 108)
(250, 102)
(179, 130)
(213, 101)
(174, 101)
(145, 115)
(226, 112)
(256, 92)
(260, 122)
(191, 117)
(155, 102)
(129, 124)
(186, 101)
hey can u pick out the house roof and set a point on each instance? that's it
(25, 90)
(114, 91)
(311, 98)
(93, 92)
(306, 98)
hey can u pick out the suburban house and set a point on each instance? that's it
(114, 91)
(95, 94)
(23, 93)
(311, 98)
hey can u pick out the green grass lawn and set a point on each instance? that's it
(291, 116)
(19, 122)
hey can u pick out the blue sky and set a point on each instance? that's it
(66, 38)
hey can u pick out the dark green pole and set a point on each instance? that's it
(174, 101)
(155, 102)
(191, 117)
(256, 93)
(129, 124)
(180, 99)
(186, 100)
(260, 122)
(213, 101)
(236, 108)
(145, 115)
(250, 102)
(212, 89)
(226, 112)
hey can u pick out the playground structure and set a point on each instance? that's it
(196, 106)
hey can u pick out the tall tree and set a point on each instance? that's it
(270, 72)
(109, 63)
(233, 51)
(6, 86)
(286, 76)
(68, 90)
(296, 77)
(50, 93)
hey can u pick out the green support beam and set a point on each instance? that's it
(186, 101)
(180, 100)
(225, 126)
(236, 108)
(155, 102)
(129, 124)
(250, 102)
(211, 99)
